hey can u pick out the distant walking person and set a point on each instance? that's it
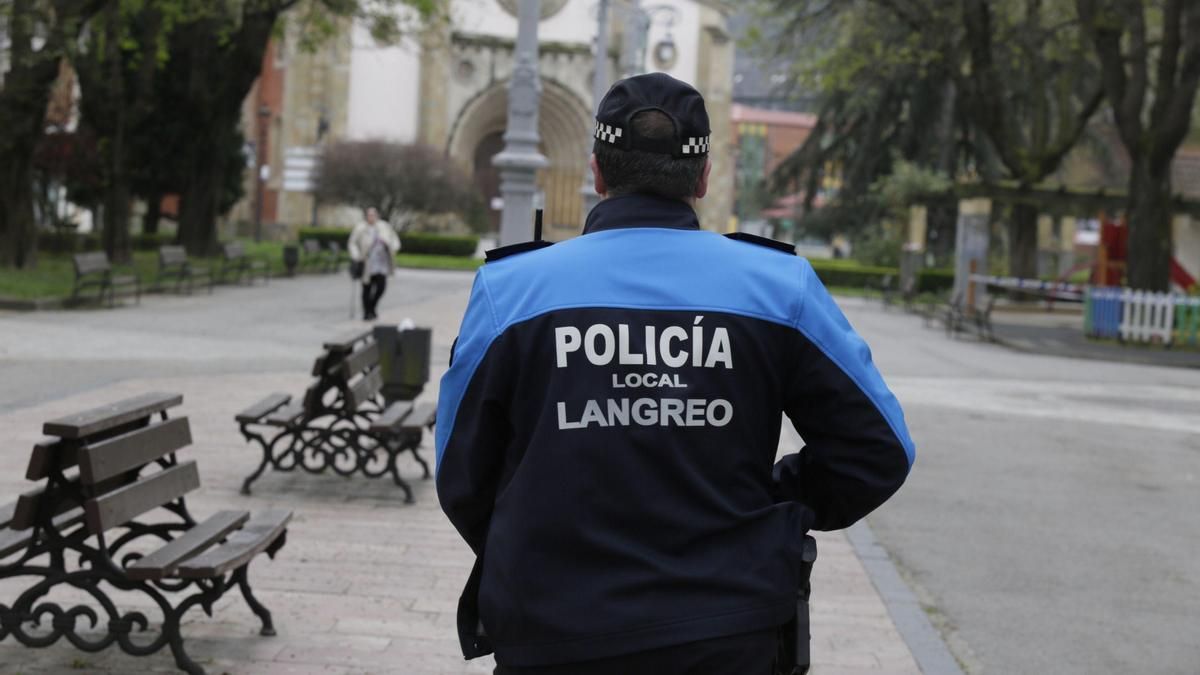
(373, 246)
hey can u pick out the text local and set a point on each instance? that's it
(673, 347)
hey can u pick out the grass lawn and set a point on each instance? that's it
(437, 262)
(54, 277)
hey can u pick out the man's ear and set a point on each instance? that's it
(601, 186)
(702, 186)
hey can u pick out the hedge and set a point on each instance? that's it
(842, 275)
(935, 280)
(845, 274)
(70, 242)
(439, 244)
(410, 242)
(325, 235)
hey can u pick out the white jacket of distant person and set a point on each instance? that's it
(375, 243)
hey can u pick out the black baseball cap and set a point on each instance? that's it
(654, 91)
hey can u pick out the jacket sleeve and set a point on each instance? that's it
(352, 246)
(472, 421)
(857, 450)
(393, 239)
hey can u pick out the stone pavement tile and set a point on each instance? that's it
(365, 584)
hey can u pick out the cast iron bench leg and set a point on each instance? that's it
(175, 638)
(264, 615)
(393, 453)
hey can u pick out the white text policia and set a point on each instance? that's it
(673, 347)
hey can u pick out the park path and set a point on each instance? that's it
(365, 584)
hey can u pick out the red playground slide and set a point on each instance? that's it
(1180, 276)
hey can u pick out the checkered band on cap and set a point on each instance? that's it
(608, 133)
(697, 146)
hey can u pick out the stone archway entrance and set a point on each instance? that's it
(477, 136)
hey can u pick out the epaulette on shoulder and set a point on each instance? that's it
(784, 247)
(515, 249)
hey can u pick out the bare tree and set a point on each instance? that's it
(396, 178)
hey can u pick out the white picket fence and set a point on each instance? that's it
(1146, 316)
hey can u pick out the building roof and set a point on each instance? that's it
(747, 114)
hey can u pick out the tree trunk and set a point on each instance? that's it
(116, 198)
(1023, 241)
(199, 205)
(1150, 240)
(18, 232)
(153, 214)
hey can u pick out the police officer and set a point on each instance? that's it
(608, 428)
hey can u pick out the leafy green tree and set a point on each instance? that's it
(885, 94)
(1031, 86)
(40, 34)
(216, 58)
(1149, 51)
(993, 88)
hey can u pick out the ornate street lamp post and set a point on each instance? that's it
(599, 89)
(260, 178)
(520, 160)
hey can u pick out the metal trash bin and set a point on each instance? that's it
(404, 357)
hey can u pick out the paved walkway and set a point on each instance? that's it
(365, 584)
(1060, 333)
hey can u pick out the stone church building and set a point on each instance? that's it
(447, 88)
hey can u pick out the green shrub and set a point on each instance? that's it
(325, 235)
(410, 242)
(67, 242)
(935, 280)
(438, 244)
(70, 242)
(152, 242)
(848, 274)
(841, 274)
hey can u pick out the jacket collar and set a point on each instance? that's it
(641, 210)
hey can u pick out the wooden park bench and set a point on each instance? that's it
(239, 264)
(173, 263)
(342, 423)
(93, 270)
(109, 514)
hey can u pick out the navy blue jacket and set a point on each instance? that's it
(608, 429)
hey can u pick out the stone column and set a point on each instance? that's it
(520, 160)
(599, 89)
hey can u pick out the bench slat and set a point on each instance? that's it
(108, 416)
(12, 540)
(362, 358)
(108, 458)
(365, 388)
(286, 415)
(264, 407)
(318, 368)
(345, 343)
(239, 548)
(25, 515)
(91, 263)
(422, 416)
(172, 255)
(126, 503)
(46, 453)
(390, 419)
(162, 563)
